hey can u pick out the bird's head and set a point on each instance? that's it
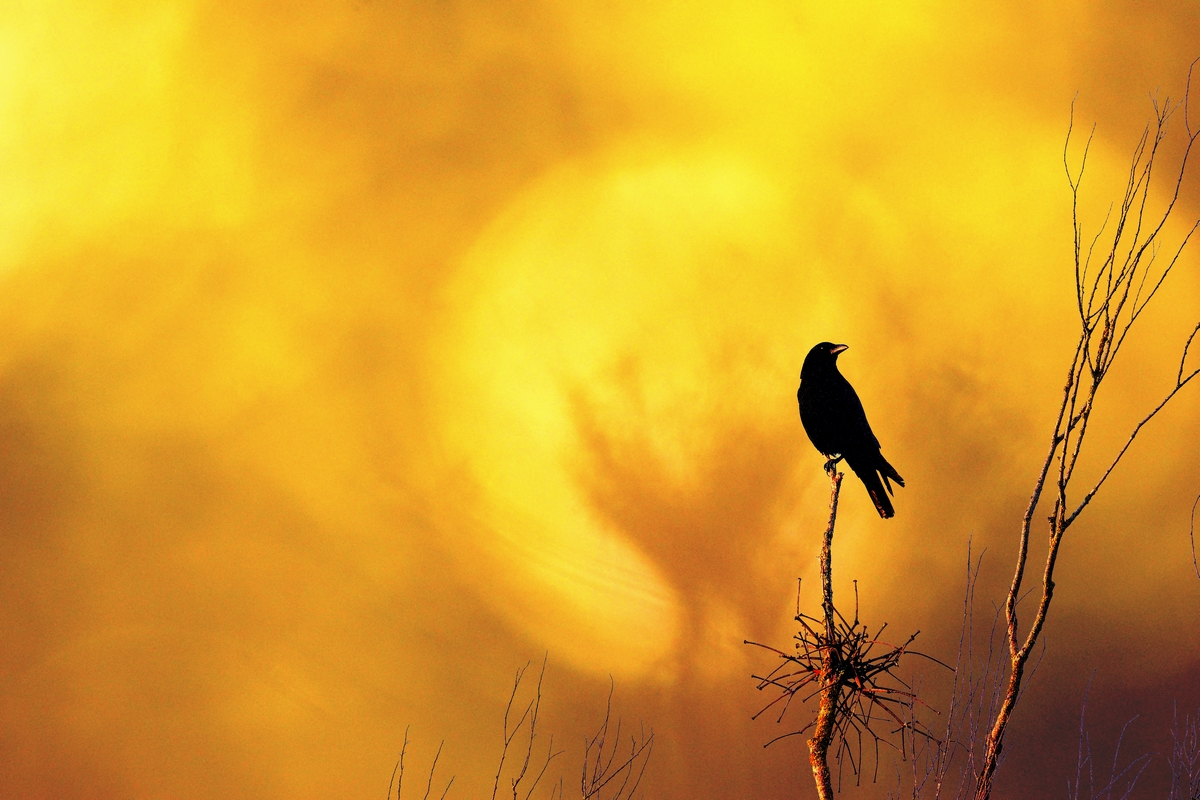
(821, 358)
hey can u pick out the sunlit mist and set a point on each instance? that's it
(353, 355)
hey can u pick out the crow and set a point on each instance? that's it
(834, 420)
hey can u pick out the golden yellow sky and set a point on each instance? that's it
(354, 354)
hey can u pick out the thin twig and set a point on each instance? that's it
(1192, 537)
(398, 768)
(429, 784)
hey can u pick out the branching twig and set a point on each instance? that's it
(605, 776)
(432, 768)
(1184, 758)
(1084, 760)
(949, 765)
(531, 714)
(1110, 298)
(398, 768)
(598, 766)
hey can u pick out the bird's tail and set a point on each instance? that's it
(870, 476)
(888, 471)
(883, 503)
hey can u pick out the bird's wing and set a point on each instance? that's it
(854, 417)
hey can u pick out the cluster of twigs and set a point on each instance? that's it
(605, 775)
(530, 715)
(1183, 763)
(1121, 780)
(946, 767)
(862, 668)
(852, 672)
(601, 770)
(1184, 759)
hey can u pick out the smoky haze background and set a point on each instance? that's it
(353, 354)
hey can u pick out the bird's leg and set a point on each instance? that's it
(832, 463)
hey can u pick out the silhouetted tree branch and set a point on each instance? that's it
(399, 770)
(1192, 537)
(1111, 295)
(831, 685)
(601, 769)
(838, 661)
(531, 714)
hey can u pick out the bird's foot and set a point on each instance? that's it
(832, 463)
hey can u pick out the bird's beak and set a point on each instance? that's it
(838, 348)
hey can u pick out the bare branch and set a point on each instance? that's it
(851, 671)
(429, 784)
(1110, 299)
(532, 712)
(598, 767)
(1192, 537)
(1184, 758)
(399, 768)
(508, 737)
(1133, 435)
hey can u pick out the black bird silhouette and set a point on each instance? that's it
(834, 420)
